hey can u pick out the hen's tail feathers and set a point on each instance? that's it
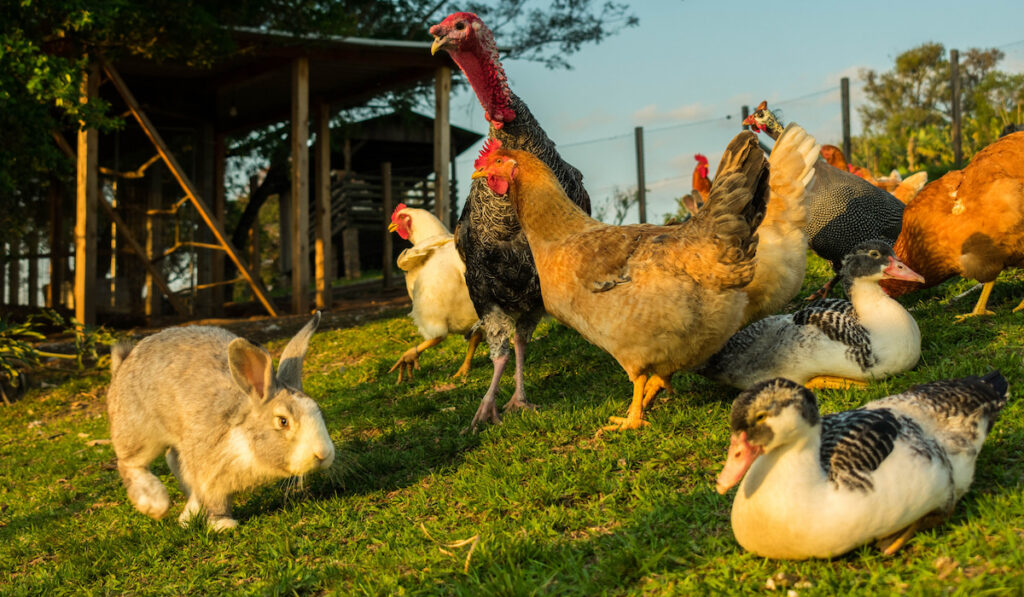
(792, 176)
(734, 209)
(910, 187)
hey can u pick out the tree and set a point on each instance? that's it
(907, 118)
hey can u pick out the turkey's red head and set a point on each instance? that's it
(702, 164)
(471, 45)
(401, 222)
(495, 165)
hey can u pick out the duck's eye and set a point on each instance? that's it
(282, 423)
(874, 254)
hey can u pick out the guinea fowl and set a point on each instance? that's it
(818, 486)
(832, 342)
(500, 271)
(845, 210)
(659, 299)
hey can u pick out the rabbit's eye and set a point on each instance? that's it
(282, 422)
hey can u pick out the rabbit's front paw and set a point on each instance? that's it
(222, 523)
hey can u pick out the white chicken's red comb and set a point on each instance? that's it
(492, 144)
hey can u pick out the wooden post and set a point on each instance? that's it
(442, 143)
(187, 186)
(14, 271)
(844, 92)
(322, 202)
(32, 250)
(85, 207)
(154, 240)
(217, 294)
(641, 190)
(744, 112)
(954, 83)
(58, 250)
(300, 185)
(3, 264)
(389, 207)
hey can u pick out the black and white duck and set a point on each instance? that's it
(831, 343)
(818, 486)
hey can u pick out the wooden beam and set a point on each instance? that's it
(32, 247)
(219, 208)
(322, 200)
(14, 271)
(442, 144)
(844, 96)
(154, 240)
(187, 186)
(58, 260)
(87, 193)
(954, 85)
(385, 181)
(641, 183)
(157, 277)
(300, 185)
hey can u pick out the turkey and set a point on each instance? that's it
(846, 210)
(500, 272)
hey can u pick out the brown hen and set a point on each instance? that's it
(659, 299)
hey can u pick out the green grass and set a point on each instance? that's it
(554, 509)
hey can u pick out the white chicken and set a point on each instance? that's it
(435, 279)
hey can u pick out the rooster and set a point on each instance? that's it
(500, 272)
(845, 210)
(970, 223)
(434, 277)
(659, 299)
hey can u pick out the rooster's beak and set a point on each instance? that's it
(478, 174)
(439, 43)
(392, 227)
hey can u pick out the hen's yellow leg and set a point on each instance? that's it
(410, 359)
(830, 382)
(981, 307)
(634, 419)
(891, 544)
(654, 384)
(474, 341)
(1019, 307)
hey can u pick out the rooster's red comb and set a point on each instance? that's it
(700, 158)
(491, 145)
(398, 208)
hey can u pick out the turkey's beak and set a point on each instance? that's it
(899, 271)
(439, 43)
(392, 227)
(478, 174)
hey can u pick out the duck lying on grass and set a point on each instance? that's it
(832, 343)
(817, 487)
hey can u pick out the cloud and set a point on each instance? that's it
(651, 114)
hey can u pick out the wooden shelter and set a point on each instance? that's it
(181, 117)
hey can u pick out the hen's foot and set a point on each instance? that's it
(409, 360)
(828, 382)
(975, 313)
(623, 423)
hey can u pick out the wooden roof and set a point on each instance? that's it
(252, 87)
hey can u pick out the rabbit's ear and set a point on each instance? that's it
(251, 368)
(290, 369)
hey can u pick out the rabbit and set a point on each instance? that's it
(211, 400)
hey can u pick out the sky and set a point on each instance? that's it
(689, 64)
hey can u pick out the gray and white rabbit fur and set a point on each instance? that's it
(212, 402)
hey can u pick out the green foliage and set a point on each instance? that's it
(547, 507)
(614, 209)
(907, 117)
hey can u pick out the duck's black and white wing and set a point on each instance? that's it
(837, 320)
(854, 444)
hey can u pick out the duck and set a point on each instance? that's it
(831, 343)
(819, 486)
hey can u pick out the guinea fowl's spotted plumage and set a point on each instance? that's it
(847, 210)
(817, 487)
